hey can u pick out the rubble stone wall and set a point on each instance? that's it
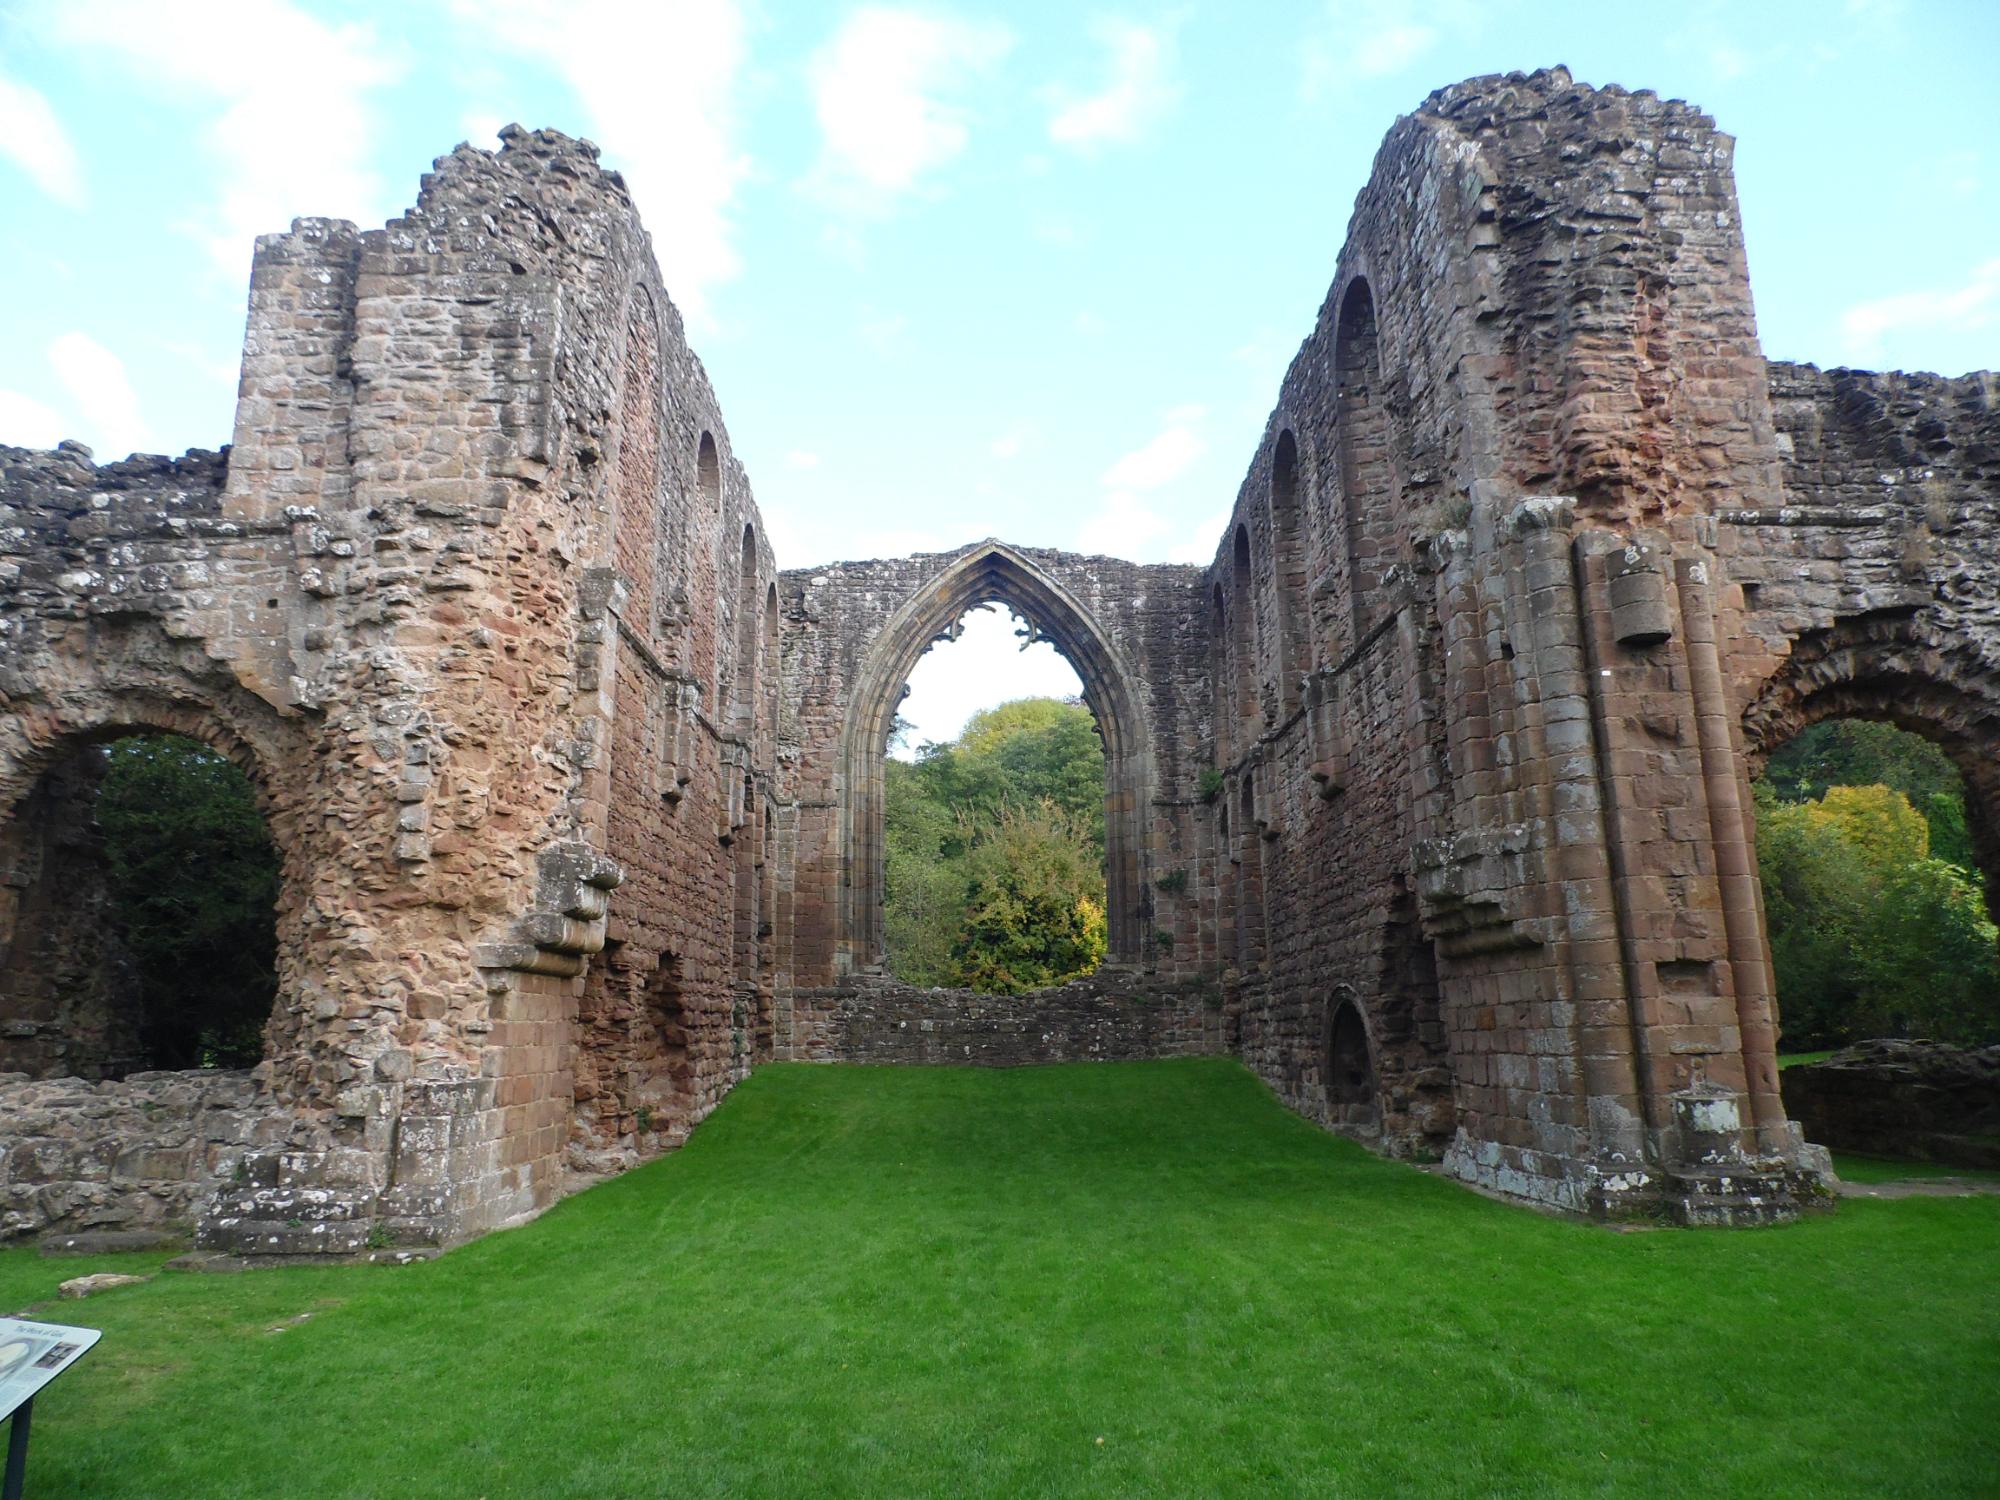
(399, 602)
(1107, 1017)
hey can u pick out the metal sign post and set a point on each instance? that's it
(31, 1355)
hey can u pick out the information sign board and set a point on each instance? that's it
(33, 1354)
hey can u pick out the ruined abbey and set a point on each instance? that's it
(1428, 797)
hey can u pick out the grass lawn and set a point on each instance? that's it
(1139, 1279)
(1799, 1059)
(1851, 1168)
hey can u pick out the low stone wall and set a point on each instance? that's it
(1921, 1100)
(146, 1152)
(1104, 1018)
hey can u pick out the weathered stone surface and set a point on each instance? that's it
(1437, 775)
(101, 1281)
(1917, 1099)
(1108, 1017)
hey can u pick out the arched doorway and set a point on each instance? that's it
(1352, 1099)
(992, 573)
(1868, 723)
(137, 912)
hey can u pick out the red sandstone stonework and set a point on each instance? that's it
(1429, 797)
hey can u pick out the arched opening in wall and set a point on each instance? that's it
(1875, 877)
(636, 479)
(1218, 675)
(772, 667)
(1249, 877)
(1288, 561)
(137, 914)
(1352, 1098)
(1367, 472)
(994, 814)
(743, 679)
(995, 573)
(668, 1094)
(1243, 667)
(708, 472)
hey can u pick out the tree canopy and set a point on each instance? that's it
(1877, 917)
(994, 870)
(193, 882)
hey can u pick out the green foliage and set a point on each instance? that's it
(193, 882)
(1174, 882)
(1027, 775)
(1034, 903)
(1861, 752)
(1209, 784)
(1870, 935)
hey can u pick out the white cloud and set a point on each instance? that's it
(800, 458)
(885, 333)
(1868, 325)
(28, 423)
(1009, 444)
(33, 139)
(1198, 547)
(1728, 60)
(1138, 94)
(481, 128)
(880, 89)
(1162, 459)
(1123, 526)
(290, 128)
(1365, 39)
(99, 392)
(1133, 522)
(657, 83)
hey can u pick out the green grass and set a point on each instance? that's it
(1852, 1168)
(1799, 1059)
(1142, 1279)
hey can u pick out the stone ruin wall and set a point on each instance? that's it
(1429, 797)
(397, 605)
(1872, 590)
(1489, 650)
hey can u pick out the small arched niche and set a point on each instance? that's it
(1352, 1098)
(708, 471)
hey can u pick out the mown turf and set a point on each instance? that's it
(1141, 1279)
(1872, 1169)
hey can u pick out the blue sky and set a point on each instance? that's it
(955, 269)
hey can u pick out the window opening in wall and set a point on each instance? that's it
(1243, 667)
(137, 929)
(1367, 475)
(994, 815)
(1874, 897)
(1289, 567)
